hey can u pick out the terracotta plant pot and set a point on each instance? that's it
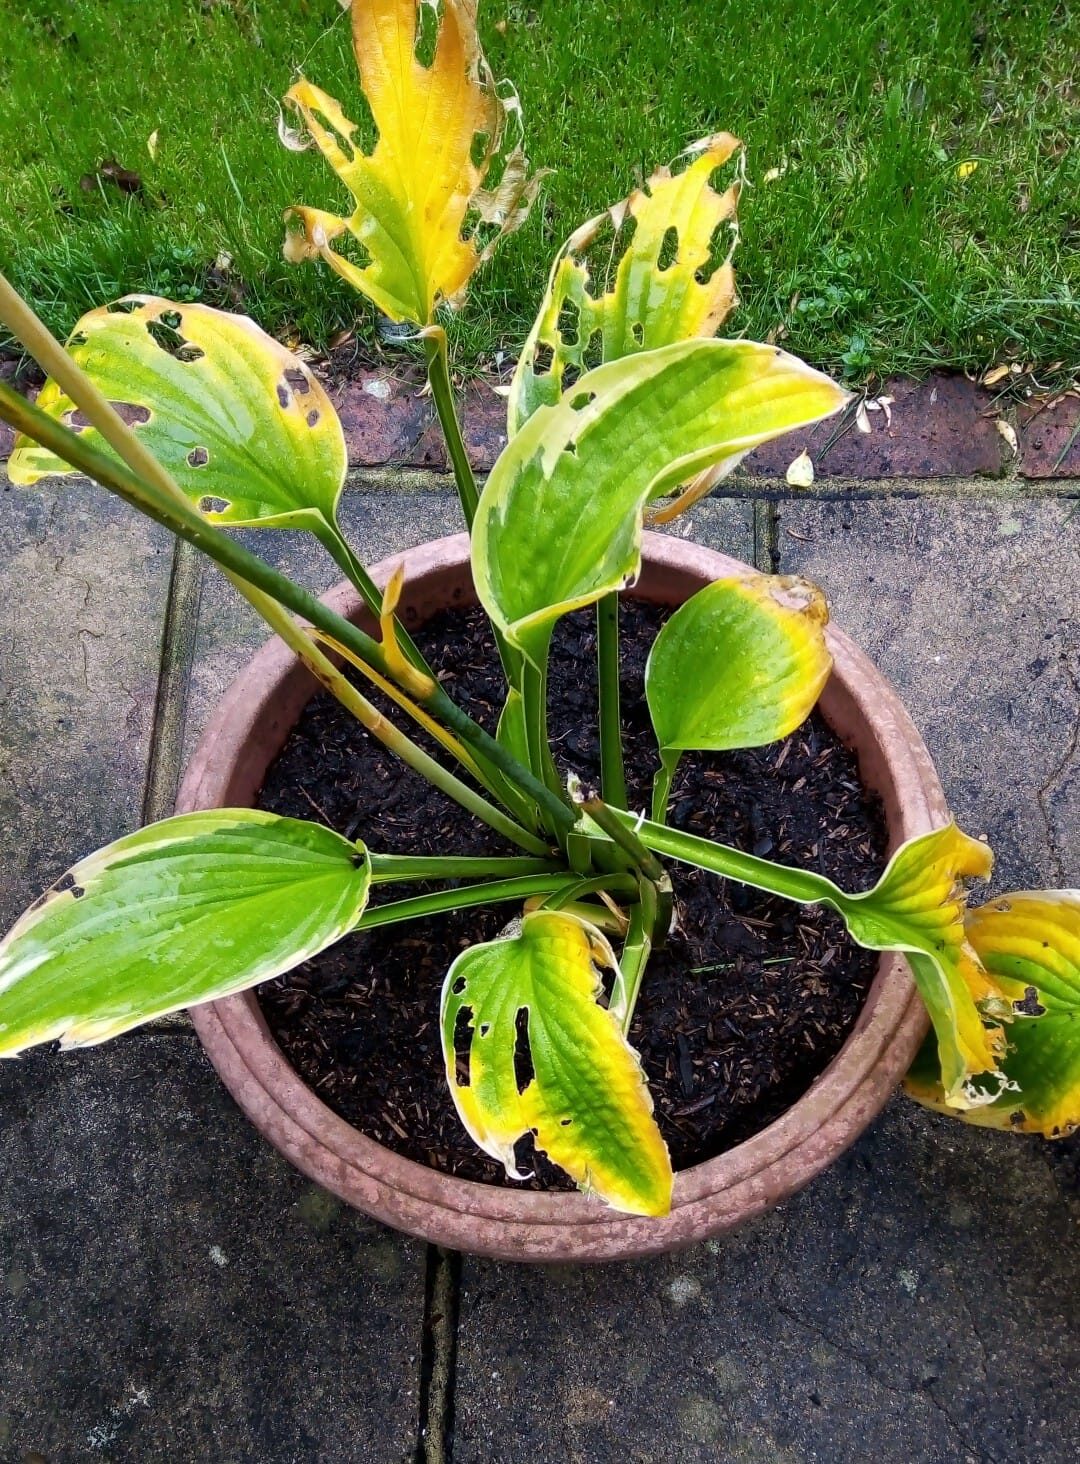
(249, 729)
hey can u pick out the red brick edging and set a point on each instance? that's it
(942, 427)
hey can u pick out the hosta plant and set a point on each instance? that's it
(624, 408)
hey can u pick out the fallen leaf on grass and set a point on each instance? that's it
(110, 171)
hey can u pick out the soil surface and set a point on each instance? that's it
(747, 1005)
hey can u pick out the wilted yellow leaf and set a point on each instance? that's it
(449, 159)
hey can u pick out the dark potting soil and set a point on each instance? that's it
(744, 1008)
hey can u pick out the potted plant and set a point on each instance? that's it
(625, 408)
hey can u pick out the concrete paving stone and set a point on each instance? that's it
(935, 428)
(972, 607)
(1050, 438)
(83, 582)
(171, 1289)
(914, 1306)
(917, 1302)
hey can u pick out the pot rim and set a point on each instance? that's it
(520, 1224)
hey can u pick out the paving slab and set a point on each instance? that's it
(170, 1289)
(939, 427)
(972, 607)
(83, 582)
(917, 1302)
(1050, 437)
(914, 1306)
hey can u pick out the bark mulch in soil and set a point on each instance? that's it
(746, 1006)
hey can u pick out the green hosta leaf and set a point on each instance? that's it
(740, 664)
(560, 518)
(240, 422)
(663, 289)
(580, 1090)
(184, 911)
(1029, 942)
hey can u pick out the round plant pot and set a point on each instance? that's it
(249, 729)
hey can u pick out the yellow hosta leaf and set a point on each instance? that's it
(449, 160)
(1029, 943)
(529, 1049)
(918, 907)
(663, 289)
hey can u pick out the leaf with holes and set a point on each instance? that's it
(559, 521)
(660, 250)
(740, 664)
(448, 175)
(1029, 942)
(184, 911)
(242, 424)
(530, 1050)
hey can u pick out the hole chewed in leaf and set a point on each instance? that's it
(283, 395)
(637, 330)
(669, 249)
(128, 412)
(582, 400)
(594, 351)
(66, 884)
(122, 307)
(463, 1033)
(524, 1072)
(481, 144)
(427, 35)
(313, 417)
(198, 457)
(569, 323)
(165, 332)
(209, 504)
(720, 243)
(543, 356)
(458, 986)
(1029, 1004)
(297, 380)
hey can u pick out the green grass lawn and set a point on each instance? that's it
(876, 249)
